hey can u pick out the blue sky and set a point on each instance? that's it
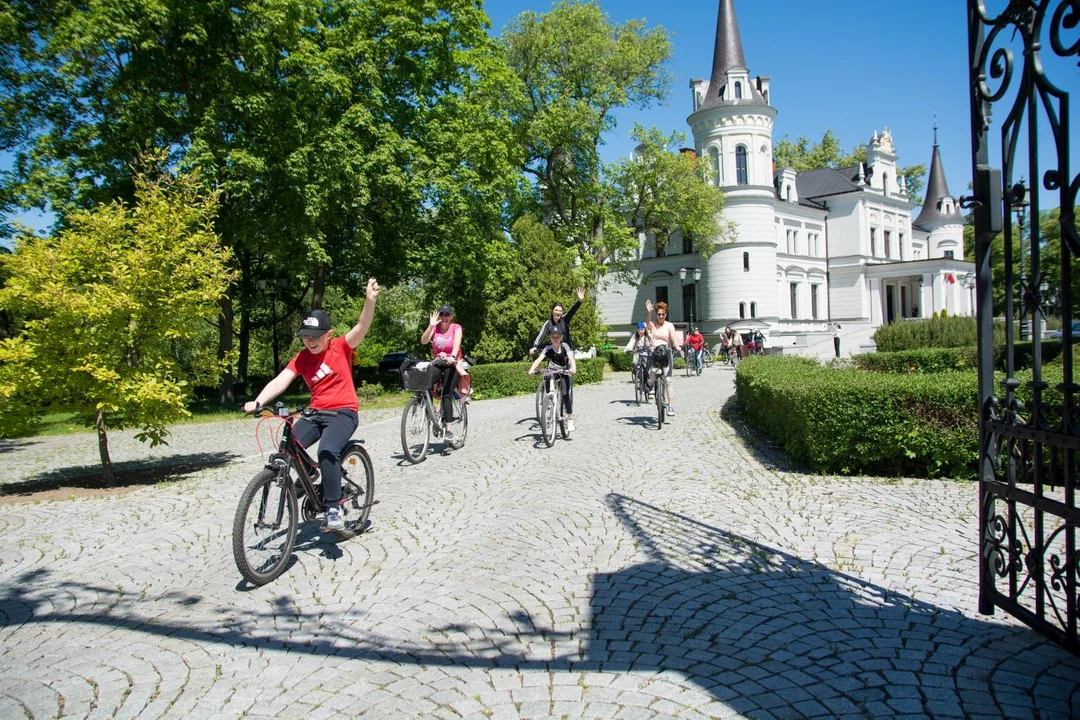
(853, 66)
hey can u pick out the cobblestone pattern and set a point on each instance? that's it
(627, 573)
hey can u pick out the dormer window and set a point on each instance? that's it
(738, 90)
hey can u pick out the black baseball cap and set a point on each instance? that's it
(315, 323)
(444, 308)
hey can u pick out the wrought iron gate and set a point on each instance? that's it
(1029, 424)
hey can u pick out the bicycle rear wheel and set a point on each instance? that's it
(660, 400)
(264, 527)
(547, 419)
(707, 358)
(461, 424)
(415, 430)
(639, 387)
(357, 489)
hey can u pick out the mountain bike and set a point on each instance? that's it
(421, 419)
(693, 361)
(707, 357)
(266, 520)
(641, 376)
(552, 411)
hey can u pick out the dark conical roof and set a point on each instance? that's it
(728, 53)
(936, 190)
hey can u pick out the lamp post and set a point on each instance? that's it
(1020, 200)
(695, 276)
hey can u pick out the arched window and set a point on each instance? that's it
(742, 311)
(753, 309)
(738, 90)
(746, 262)
(714, 159)
(787, 193)
(740, 166)
(885, 182)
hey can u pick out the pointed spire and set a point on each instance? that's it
(936, 191)
(728, 53)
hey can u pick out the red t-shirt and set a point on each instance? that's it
(328, 376)
(696, 340)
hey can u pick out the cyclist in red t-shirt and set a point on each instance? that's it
(325, 363)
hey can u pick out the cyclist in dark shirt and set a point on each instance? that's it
(558, 354)
(560, 321)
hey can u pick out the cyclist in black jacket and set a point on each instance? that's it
(558, 320)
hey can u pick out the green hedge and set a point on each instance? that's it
(932, 332)
(498, 380)
(852, 422)
(621, 361)
(934, 360)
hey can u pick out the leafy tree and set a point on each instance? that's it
(105, 302)
(665, 192)
(1051, 254)
(804, 154)
(540, 273)
(577, 68)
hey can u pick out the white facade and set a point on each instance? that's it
(814, 248)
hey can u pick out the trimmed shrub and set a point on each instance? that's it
(932, 332)
(621, 361)
(924, 360)
(852, 422)
(498, 380)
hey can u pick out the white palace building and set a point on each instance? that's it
(813, 249)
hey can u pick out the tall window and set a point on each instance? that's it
(873, 242)
(814, 301)
(740, 166)
(689, 302)
(794, 291)
(714, 159)
(746, 262)
(791, 242)
(687, 244)
(738, 90)
(888, 244)
(742, 310)
(753, 309)
(661, 294)
(901, 241)
(885, 183)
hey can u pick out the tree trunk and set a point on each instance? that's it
(320, 287)
(245, 345)
(226, 395)
(108, 479)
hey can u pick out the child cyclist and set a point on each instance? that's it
(559, 354)
(325, 363)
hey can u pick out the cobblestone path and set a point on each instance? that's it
(627, 573)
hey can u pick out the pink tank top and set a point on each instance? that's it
(443, 342)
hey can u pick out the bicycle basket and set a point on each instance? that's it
(419, 377)
(660, 356)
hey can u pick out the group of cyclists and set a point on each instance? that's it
(325, 363)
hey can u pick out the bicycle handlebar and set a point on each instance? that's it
(280, 410)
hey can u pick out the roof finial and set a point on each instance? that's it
(935, 128)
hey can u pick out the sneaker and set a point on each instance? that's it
(333, 519)
(670, 410)
(570, 426)
(448, 434)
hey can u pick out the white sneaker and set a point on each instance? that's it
(570, 425)
(670, 410)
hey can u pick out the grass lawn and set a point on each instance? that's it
(207, 410)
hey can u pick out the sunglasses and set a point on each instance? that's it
(444, 314)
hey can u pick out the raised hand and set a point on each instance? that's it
(581, 293)
(434, 319)
(373, 289)
(648, 305)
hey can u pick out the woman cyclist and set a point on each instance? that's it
(445, 337)
(325, 363)
(559, 354)
(558, 320)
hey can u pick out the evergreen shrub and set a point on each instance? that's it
(932, 332)
(923, 360)
(848, 421)
(620, 361)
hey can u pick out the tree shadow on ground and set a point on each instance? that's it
(11, 445)
(760, 632)
(129, 474)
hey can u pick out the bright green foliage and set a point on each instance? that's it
(519, 300)
(106, 302)
(804, 154)
(667, 192)
(621, 361)
(505, 379)
(577, 68)
(932, 332)
(853, 422)
(922, 360)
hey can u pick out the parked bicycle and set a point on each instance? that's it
(267, 516)
(552, 411)
(421, 419)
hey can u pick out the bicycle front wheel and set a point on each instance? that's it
(639, 387)
(660, 400)
(415, 430)
(461, 424)
(264, 527)
(539, 398)
(357, 489)
(547, 419)
(707, 358)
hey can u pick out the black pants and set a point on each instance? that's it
(836, 345)
(567, 391)
(332, 432)
(449, 384)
